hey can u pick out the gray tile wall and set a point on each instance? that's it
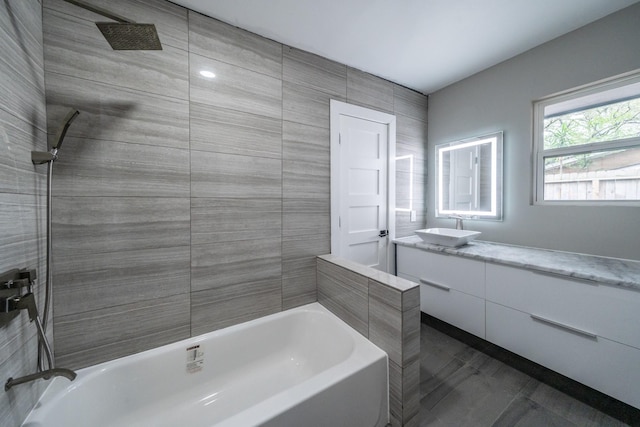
(386, 310)
(122, 185)
(22, 219)
(185, 204)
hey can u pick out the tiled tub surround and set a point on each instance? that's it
(22, 213)
(184, 204)
(168, 200)
(575, 314)
(385, 309)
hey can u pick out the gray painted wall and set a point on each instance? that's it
(500, 98)
(181, 204)
(22, 217)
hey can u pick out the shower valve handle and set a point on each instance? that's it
(17, 302)
(16, 279)
(9, 304)
(28, 301)
(15, 284)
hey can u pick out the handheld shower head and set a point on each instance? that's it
(41, 157)
(71, 115)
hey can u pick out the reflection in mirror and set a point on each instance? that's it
(404, 179)
(469, 178)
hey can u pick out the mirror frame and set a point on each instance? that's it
(495, 214)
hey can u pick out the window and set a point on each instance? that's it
(587, 144)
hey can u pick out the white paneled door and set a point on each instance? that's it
(360, 210)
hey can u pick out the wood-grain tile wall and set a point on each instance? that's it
(184, 203)
(386, 310)
(22, 218)
(122, 185)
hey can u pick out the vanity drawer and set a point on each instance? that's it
(605, 311)
(455, 272)
(602, 364)
(456, 308)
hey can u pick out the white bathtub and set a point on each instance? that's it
(300, 367)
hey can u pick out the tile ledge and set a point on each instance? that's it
(386, 279)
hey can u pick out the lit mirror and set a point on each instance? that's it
(469, 178)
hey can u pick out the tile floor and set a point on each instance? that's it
(463, 386)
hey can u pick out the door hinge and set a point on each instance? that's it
(383, 233)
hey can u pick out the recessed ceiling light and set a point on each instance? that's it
(207, 74)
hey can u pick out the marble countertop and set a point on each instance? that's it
(611, 271)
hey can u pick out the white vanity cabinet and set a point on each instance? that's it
(451, 288)
(583, 330)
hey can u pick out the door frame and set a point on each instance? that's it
(337, 109)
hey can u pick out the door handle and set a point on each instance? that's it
(383, 233)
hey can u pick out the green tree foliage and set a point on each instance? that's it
(603, 123)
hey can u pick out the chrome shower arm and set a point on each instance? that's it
(101, 11)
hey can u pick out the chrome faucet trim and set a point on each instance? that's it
(459, 224)
(49, 373)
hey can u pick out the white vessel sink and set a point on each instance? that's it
(447, 236)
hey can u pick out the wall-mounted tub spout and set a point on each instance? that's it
(28, 302)
(12, 302)
(49, 373)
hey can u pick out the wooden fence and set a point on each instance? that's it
(591, 186)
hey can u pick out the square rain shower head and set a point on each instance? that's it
(130, 36)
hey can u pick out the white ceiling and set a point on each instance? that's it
(422, 44)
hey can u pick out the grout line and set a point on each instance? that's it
(282, 177)
(190, 174)
(505, 408)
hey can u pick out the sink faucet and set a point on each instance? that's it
(459, 224)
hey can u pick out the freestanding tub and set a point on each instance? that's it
(300, 367)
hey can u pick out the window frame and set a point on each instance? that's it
(540, 153)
